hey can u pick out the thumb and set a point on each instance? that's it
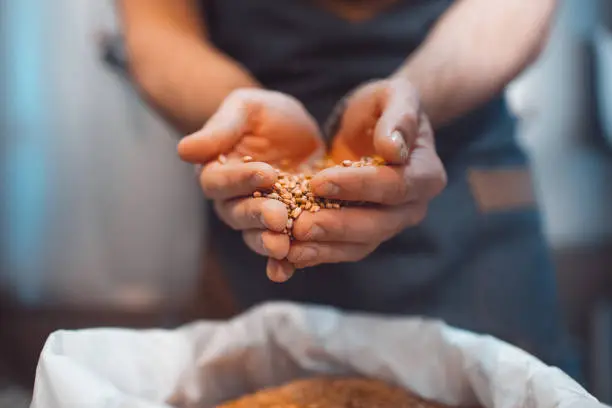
(398, 126)
(219, 135)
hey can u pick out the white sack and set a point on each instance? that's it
(205, 363)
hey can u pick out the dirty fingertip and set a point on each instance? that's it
(275, 244)
(392, 147)
(196, 149)
(263, 175)
(279, 271)
(274, 215)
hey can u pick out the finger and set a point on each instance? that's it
(267, 243)
(235, 179)
(421, 179)
(380, 185)
(308, 254)
(425, 171)
(253, 213)
(398, 125)
(220, 134)
(357, 224)
(279, 271)
(356, 125)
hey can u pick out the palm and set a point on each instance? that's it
(279, 130)
(281, 141)
(344, 148)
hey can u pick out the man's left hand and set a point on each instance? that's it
(381, 118)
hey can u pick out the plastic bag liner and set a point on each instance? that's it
(205, 363)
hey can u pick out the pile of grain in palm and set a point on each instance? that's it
(331, 392)
(293, 187)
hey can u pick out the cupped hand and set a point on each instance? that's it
(271, 129)
(381, 118)
(268, 126)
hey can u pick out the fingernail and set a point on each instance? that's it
(328, 189)
(314, 233)
(398, 139)
(262, 244)
(274, 272)
(262, 219)
(279, 272)
(288, 274)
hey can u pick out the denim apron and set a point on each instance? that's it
(479, 261)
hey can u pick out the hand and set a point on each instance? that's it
(381, 118)
(271, 128)
(268, 126)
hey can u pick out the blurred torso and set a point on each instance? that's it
(483, 272)
(315, 51)
(318, 50)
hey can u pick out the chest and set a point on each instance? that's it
(281, 26)
(355, 10)
(317, 50)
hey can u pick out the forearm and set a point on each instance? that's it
(474, 51)
(183, 76)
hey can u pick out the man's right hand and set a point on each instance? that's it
(271, 128)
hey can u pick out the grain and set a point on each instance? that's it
(296, 212)
(292, 187)
(336, 392)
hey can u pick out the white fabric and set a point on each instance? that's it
(205, 363)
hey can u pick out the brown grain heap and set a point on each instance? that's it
(293, 187)
(333, 393)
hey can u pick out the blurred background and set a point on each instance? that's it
(102, 225)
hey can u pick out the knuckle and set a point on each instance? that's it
(442, 178)
(339, 226)
(355, 256)
(429, 178)
(262, 242)
(251, 211)
(210, 185)
(363, 185)
(391, 230)
(400, 193)
(239, 95)
(437, 180)
(409, 119)
(217, 206)
(405, 86)
(363, 253)
(309, 230)
(440, 183)
(425, 128)
(418, 214)
(298, 256)
(313, 232)
(372, 87)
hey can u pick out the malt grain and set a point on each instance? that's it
(293, 187)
